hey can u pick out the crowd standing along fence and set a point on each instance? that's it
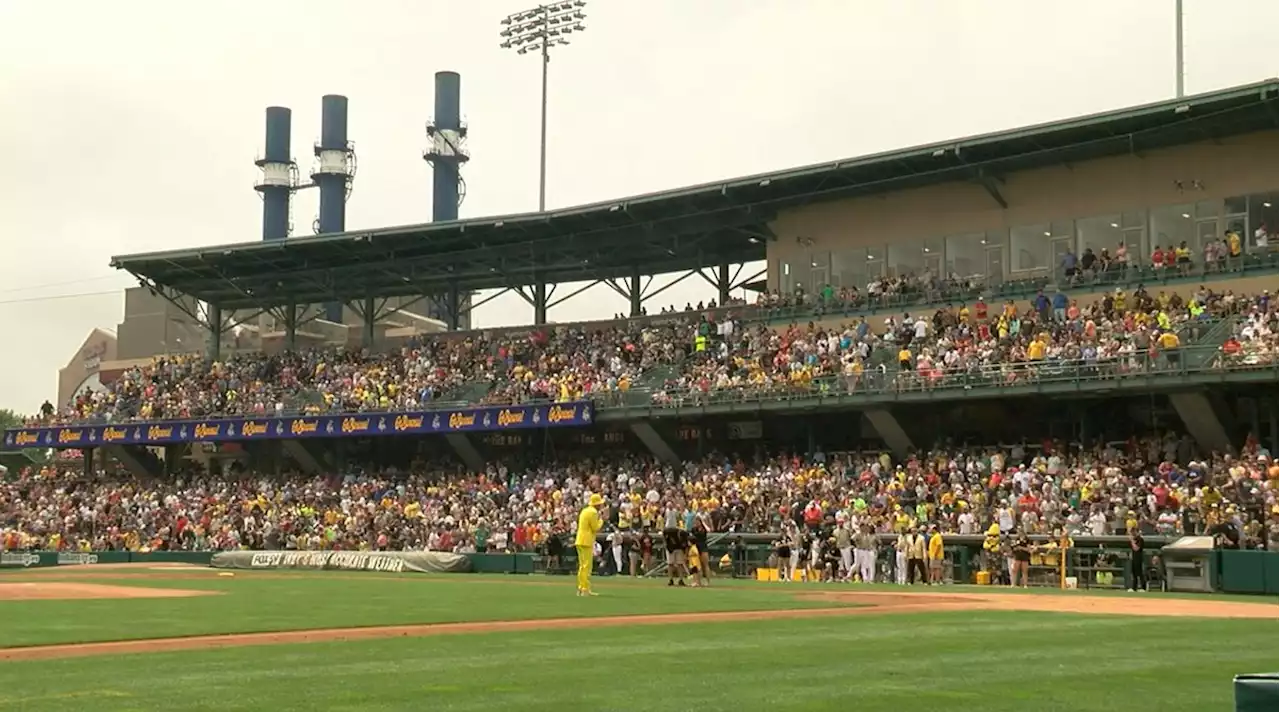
(1085, 562)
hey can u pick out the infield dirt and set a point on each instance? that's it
(867, 603)
(62, 590)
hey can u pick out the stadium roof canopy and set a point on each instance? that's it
(669, 231)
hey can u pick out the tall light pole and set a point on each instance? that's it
(1177, 47)
(538, 30)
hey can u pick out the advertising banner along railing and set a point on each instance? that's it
(456, 420)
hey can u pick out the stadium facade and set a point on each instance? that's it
(1000, 208)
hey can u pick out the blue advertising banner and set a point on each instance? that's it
(458, 420)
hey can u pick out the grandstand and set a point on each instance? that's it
(1069, 212)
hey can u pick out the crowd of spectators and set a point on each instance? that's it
(1253, 340)
(970, 343)
(983, 343)
(563, 364)
(1153, 485)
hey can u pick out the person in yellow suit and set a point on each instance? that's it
(589, 523)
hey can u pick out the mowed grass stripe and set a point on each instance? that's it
(966, 660)
(180, 578)
(256, 604)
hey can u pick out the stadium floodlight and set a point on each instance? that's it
(1179, 71)
(538, 30)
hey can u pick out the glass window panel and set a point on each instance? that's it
(858, 267)
(819, 279)
(1208, 208)
(1029, 248)
(1237, 205)
(996, 237)
(1135, 243)
(996, 271)
(782, 275)
(1062, 228)
(849, 268)
(1059, 246)
(1133, 219)
(819, 271)
(1171, 225)
(906, 258)
(934, 256)
(875, 261)
(935, 245)
(966, 255)
(1206, 232)
(1097, 234)
(1262, 221)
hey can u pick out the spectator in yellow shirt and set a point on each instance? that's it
(589, 524)
(1169, 343)
(936, 555)
(1035, 350)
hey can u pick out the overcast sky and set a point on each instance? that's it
(132, 126)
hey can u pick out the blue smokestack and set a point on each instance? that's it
(447, 152)
(277, 181)
(333, 174)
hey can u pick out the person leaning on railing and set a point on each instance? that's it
(1169, 344)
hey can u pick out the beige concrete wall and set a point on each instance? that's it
(154, 326)
(97, 349)
(1237, 166)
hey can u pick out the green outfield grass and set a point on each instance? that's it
(972, 660)
(995, 662)
(252, 602)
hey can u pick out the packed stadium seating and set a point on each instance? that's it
(1048, 487)
(909, 333)
(669, 361)
(675, 360)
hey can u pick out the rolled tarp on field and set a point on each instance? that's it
(425, 562)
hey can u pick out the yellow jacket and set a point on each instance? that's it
(589, 525)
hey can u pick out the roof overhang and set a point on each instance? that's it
(670, 231)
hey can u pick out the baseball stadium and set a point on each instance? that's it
(985, 424)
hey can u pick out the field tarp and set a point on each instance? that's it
(426, 562)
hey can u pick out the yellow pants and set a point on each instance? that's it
(585, 555)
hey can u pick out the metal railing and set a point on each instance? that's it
(1133, 369)
(815, 307)
(885, 379)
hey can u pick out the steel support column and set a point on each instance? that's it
(215, 332)
(291, 327)
(453, 307)
(370, 316)
(540, 302)
(635, 292)
(724, 283)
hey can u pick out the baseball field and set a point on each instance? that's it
(150, 637)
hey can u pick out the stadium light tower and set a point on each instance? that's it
(1180, 76)
(536, 31)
